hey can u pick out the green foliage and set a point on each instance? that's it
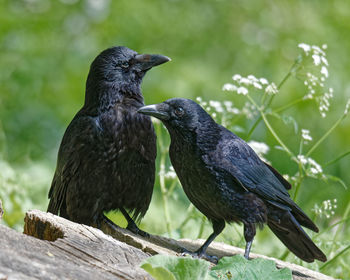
(46, 49)
(235, 267)
(22, 189)
(179, 268)
(158, 272)
(238, 268)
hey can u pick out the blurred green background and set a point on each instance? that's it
(47, 47)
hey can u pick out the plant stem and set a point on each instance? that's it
(332, 226)
(189, 211)
(162, 181)
(164, 195)
(3, 147)
(158, 126)
(345, 215)
(284, 255)
(336, 159)
(287, 106)
(286, 77)
(297, 187)
(269, 126)
(335, 257)
(201, 229)
(253, 128)
(172, 187)
(275, 135)
(300, 179)
(325, 136)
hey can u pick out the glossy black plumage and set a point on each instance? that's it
(227, 181)
(106, 160)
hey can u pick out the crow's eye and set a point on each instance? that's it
(179, 111)
(124, 64)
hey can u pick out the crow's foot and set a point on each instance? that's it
(198, 255)
(134, 229)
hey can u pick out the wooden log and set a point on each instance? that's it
(163, 245)
(62, 249)
(74, 252)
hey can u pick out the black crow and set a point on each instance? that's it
(227, 181)
(106, 160)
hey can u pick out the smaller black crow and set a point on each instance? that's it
(227, 181)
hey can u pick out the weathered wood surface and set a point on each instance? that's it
(79, 252)
(66, 250)
(162, 245)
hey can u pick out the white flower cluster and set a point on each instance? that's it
(312, 168)
(305, 134)
(229, 107)
(315, 80)
(271, 89)
(326, 209)
(249, 110)
(318, 54)
(217, 105)
(170, 174)
(324, 102)
(347, 107)
(293, 180)
(260, 148)
(214, 107)
(241, 85)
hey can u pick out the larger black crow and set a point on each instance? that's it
(106, 160)
(226, 180)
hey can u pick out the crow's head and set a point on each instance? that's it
(179, 114)
(119, 69)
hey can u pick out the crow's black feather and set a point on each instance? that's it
(106, 160)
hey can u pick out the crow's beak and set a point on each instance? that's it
(153, 111)
(147, 61)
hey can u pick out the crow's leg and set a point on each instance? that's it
(110, 223)
(249, 233)
(97, 220)
(218, 227)
(132, 226)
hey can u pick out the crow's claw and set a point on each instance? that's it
(197, 255)
(134, 229)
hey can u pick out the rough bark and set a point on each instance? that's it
(78, 252)
(65, 250)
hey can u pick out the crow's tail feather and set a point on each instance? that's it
(289, 231)
(57, 196)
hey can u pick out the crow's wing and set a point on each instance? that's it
(236, 157)
(79, 142)
(283, 181)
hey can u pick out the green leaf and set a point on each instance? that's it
(158, 272)
(180, 268)
(287, 119)
(290, 120)
(238, 268)
(336, 179)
